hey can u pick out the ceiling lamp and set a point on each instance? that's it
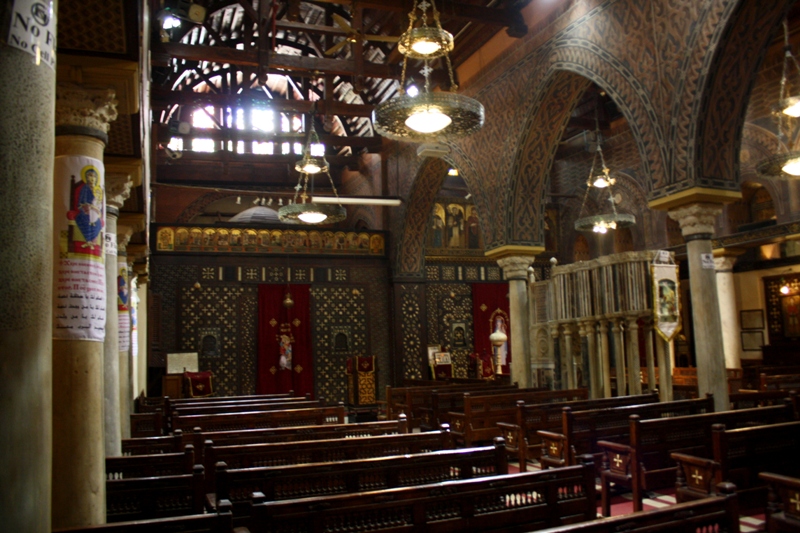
(427, 116)
(311, 213)
(313, 161)
(602, 180)
(786, 163)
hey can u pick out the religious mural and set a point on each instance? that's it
(454, 229)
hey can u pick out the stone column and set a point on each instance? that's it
(125, 389)
(26, 263)
(605, 358)
(728, 315)
(697, 225)
(619, 355)
(516, 272)
(118, 188)
(648, 346)
(79, 485)
(555, 350)
(634, 368)
(664, 369)
(141, 317)
(569, 364)
(591, 368)
(586, 331)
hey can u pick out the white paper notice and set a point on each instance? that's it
(33, 30)
(79, 218)
(708, 261)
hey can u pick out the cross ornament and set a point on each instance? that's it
(617, 460)
(426, 71)
(510, 438)
(554, 449)
(424, 5)
(697, 477)
(796, 501)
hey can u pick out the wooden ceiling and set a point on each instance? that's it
(288, 55)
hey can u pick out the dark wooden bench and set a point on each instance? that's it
(155, 497)
(522, 441)
(718, 514)
(218, 522)
(749, 400)
(261, 419)
(442, 402)
(150, 424)
(581, 430)
(322, 451)
(409, 400)
(237, 407)
(640, 459)
(785, 382)
(346, 477)
(249, 397)
(783, 503)
(517, 502)
(738, 456)
(478, 422)
(162, 464)
(153, 445)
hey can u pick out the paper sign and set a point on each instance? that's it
(33, 30)
(707, 261)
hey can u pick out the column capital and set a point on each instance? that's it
(77, 107)
(724, 263)
(554, 330)
(515, 267)
(602, 326)
(568, 329)
(124, 234)
(633, 322)
(696, 219)
(118, 189)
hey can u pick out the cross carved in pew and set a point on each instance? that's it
(697, 477)
(796, 501)
(617, 460)
(554, 449)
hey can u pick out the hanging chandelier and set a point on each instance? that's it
(786, 163)
(313, 161)
(601, 179)
(427, 116)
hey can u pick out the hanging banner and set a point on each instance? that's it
(79, 291)
(134, 306)
(123, 301)
(33, 30)
(666, 300)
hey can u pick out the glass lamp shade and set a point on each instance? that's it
(792, 167)
(790, 106)
(312, 213)
(428, 120)
(311, 165)
(603, 223)
(781, 166)
(601, 181)
(425, 42)
(397, 118)
(312, 217)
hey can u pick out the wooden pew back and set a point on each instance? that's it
(443, 401)
(162, 464)
(785, 382)
(783, 502)
(530, 500)
(409, 400)
(150, 424)
(478, 422)
(155, 497)
(260, 419)
(378, 473)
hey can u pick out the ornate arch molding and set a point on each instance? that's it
(736, 49)
(759, 143)
(199, 205)
(573, 67)
(635, 201)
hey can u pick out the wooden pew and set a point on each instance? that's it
(340, 477)
(260, 419)
(155, 497)
(153, 445)
(645, 463)
(322, 451)
(580, 430)
(784, 382)
(517, 502)
(716, 514)
(249, 397)
(218, 522)
(478, 422)
(522, 441)
(442, 401)
(738, 456)
(150, 424)
(749, 400)
(162, 464)
(783, 503)
(409, 400)
(751, 374)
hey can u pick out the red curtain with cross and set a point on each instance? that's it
(490, 311)
(284, 341)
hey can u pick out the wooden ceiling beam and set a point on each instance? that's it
(372, 143)
(166, 98)
(463, 12)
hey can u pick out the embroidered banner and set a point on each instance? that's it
(79, 291)
(123, 304)
(666, 301)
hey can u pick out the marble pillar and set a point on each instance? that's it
(125, 389)
(555, 351)
(605, 358)
(634, 367)
(567, 361)
(697, 226)
(78, 486)
(728, 313)
(619, 355)
(648, 346)
(591, 370)
(141, 318)
(516, 272)
(118, 188)
(27, 144)
(664, 369)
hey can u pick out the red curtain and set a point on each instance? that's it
(284, 341)
(490, 310)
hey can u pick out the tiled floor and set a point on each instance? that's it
(622, 504)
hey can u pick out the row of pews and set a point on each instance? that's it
(301, 468)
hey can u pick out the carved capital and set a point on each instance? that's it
(696, 218)
(85, 108)
(124, 234)
(118, 189)
(724, 263)
(515, 267)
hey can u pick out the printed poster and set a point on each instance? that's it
(79, 290)
(123, 304)
(666, 301)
